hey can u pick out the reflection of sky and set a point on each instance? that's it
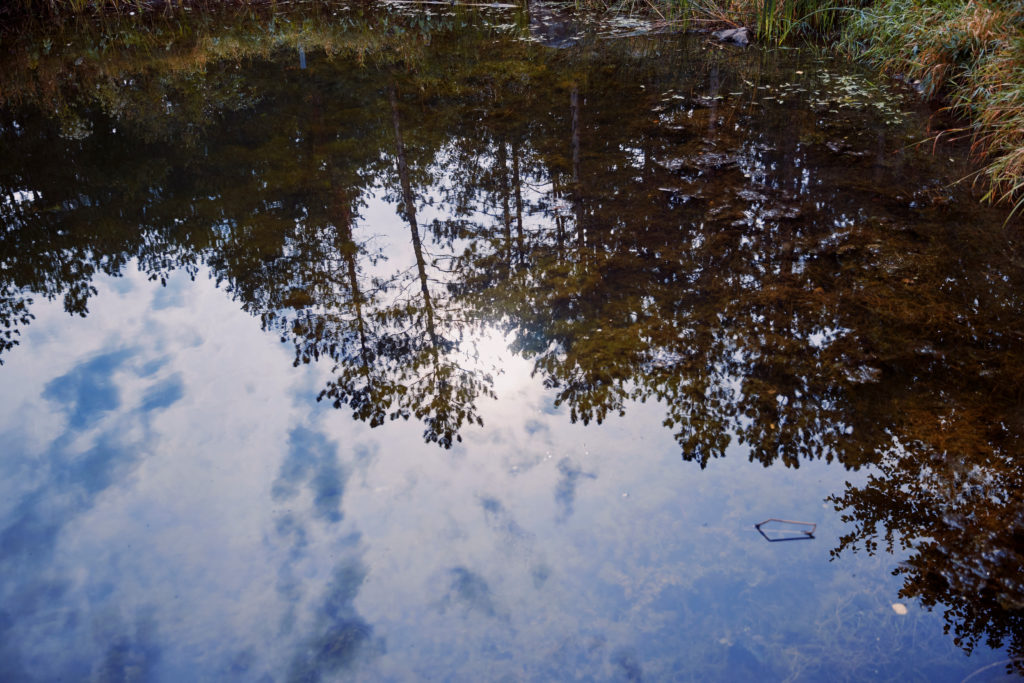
(176, 507)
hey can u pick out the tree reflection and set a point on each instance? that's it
(952, 497)
(640, 230)
(418, 374)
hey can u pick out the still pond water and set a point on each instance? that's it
(457, 343)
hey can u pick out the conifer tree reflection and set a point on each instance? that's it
(631, 244)
(781, 321)
(426, 380)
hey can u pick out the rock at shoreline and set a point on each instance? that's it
(737, 36)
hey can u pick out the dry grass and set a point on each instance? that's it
(972, 53)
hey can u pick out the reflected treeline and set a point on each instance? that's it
(744, 239)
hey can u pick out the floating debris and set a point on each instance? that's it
(775, 530)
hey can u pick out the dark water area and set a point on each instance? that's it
(471, 343)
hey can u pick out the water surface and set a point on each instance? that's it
(472, 343)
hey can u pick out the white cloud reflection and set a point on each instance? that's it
(185, 508)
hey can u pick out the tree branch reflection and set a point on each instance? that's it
(638, 235)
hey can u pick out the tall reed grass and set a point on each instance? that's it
(971, 52)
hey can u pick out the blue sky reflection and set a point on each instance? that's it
(178, 509)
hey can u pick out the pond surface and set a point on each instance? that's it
(459, 343)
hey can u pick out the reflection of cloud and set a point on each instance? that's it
(540, 574)
(491, 506)
(342, 635)
(164, 394)
(130, 657)
(290, 529)
(565, 491)
(88, 390)
(364, 455)
(549, 408)
(538, 428)
(171, 295)
(242, 665)
(70, 474)
(150, 367)
(31, 529)
(625, 659)
(11, 666)
(501, 520)
(73, 482)
(470, 590)
(516, 541)
(70, 480)
(312, 459)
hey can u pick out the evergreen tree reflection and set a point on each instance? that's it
(638, 234)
